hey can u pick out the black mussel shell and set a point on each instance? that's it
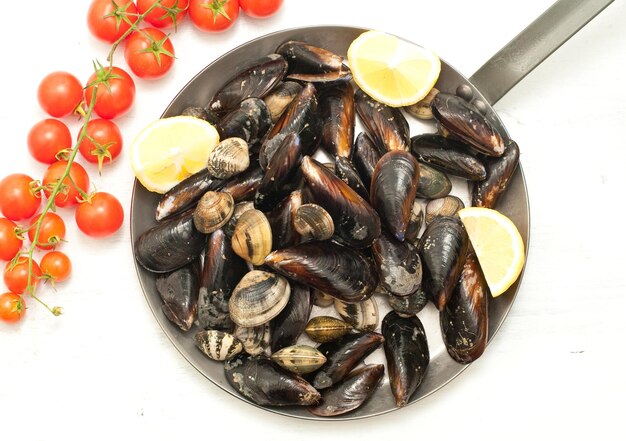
(342, 355)
(170, 244)
(386, 125)
(433, 183)
(258, 111)
(254, 81)
(365, 156)
(287, 326)
(356, 223)
(464, 321)
(280, 97)
(339, 271)
(447, 155)
(406, 350)
(407, 306)
(348, 174)
(244, 185)
(238, 124)
(179, 291)
(351, 393)
(465, 121)
(281, 221)
(312, 63)
(499, 172)
(222, 271)
(415, 221)
(336, 107)
(265, 383)
(201, 113)
(393, 188)
(443, 248)
(186, 194)
(398, 264)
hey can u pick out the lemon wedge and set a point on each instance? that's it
(498, 245)
(169, 150)
(392, 71)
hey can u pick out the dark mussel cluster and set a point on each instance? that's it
(245, 248)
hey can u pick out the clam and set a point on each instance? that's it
(422, 109)
(287, 326)
(312, 222)
(312, 63)
(407, 306)
(415, 222)
(446, 206)
(281, 221)
(499, 171)
(362, 316)
(398, 264)
(345, 171)
(322, 299)
(258, 298)
(336, 106)
(244, 185)
(447, 155)
(240, 208)
(433, 183)
(179, 291)
(299, 359)
(386, 125)
(218, 345)
(252, 237)
(255, 339)
(365, 156)
(213, 211)
(280, 97)
(229, 158)
(324, 328)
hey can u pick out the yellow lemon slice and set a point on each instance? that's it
(392, 71)
(498, 245)
(170, 149)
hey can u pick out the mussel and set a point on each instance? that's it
(422, 109)
(365, 156)
(186, 193)
(258, 298)
(217, 345)
(179, 291)
(299, 359)
(252, 237)
(415, 222)
(244, 185)
(312, 63)
(287, 326)
(200, 113)
(447, 155)
(250, 121)
(229, 158)
(386, 125)
(407, 306)
(280, 97)
(499, 171)
(348, 174)
(336, 107)
(281, 221)
(213, 211)
(398, 264)
(322, 299)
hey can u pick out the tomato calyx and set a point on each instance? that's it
(104, 75)
(156, 47)
(172, 12)
(217, 7)
(101, 151)
(120, 13)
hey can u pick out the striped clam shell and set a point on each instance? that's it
(363, 316)
(323, 328)
(255, 339)
(299, 359)
(218, 345)
(229, 158)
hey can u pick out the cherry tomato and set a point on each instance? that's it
(56, 266)
(51, 232)
(47, 138)
(16, 277)
(149, 53)
(103, 141)
(168, 14)
(114, 100)
(101, 216)
(109, 19)
(10, 242)
(59, 93)
(68, 195)
(260, 8)
(213, 15)
(18, 197)
(12, 307)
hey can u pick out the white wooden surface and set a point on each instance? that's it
(105, 370)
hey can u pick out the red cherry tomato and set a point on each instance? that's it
(10, 242)
(260, 8)
(12, 307)
(56, 266)
(114, 100)
(213, 15)
(47, 138)
(18, 198)
(102, 143)
(149, 53)
(101, 216)
(109, 19)
(168, 14)
(68, 195)
(16, 277)
(59, 93)
(51, 232)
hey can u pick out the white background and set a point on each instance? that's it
(105, 370)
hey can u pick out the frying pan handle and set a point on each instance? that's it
(533, 45)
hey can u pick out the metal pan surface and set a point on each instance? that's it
(442, 368)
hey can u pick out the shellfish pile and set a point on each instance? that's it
(281, 266)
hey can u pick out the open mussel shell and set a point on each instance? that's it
(186, 193)
(342, 355)
(281, 221)
(299, 359)
(213, 211)
(170, 244)
(393, 188)
(252, 237)
(422, 109)
(443, 248)
(244, 185)
(312, 222)
(336, 106)
(258, 298)
(351, 393)
(342, 272)
(221, 273)
(386, 125)
(415, 221)
(256, 80)
(365, 156)
(464, 321)
(407, 306)
(287, 326)
(499, 171)
(433, 183)
(312, 63)
(280, 97)
(406, 350)
(324, 328)
(362, 316)
(229, 158)
(218, 345)
(398, 264)
(265, 383)
(348, 174)
(447, 155)
(356, 223)
(467, 123)
(446, 206)
(255, 339)
(179, 291)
